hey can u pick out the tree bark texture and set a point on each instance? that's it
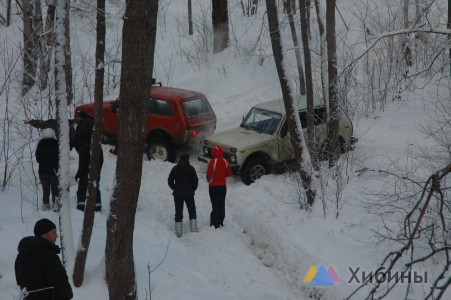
(8, 13)
(138, 47)
(48, 41)
(297, 51)
(63, 139)
(94, 166)
(323, 52)
(220, 20)
(190, 18)
(311, 141)
(29, 53)
(297, 139)
(68, 58)
(333, 144)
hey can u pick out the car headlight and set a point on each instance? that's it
(233, 159)
(205, 149)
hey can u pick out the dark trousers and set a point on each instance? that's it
(189, 200)
(49, 183)
(217, 198)
(82, 191)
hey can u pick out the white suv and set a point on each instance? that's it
(263, 141)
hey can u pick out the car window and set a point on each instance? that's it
(319, 116)
(261, 120)
(160, 107)
(196, 107)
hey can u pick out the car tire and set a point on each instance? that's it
(160, 149)
(254, 169)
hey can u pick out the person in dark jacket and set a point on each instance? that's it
(83, 135)
(47, 157)
(217, 171)
(183, 181)
(38, 268)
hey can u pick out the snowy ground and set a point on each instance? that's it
(267, 245)
(264, 250)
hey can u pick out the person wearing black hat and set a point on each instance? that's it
(183, 182)
(38, 268)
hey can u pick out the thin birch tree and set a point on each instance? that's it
(305, 24)
(67, 243)
(297, 51)
(302, 156)
(94, 166)
(138, 47)
(29, 41)
(332, 132)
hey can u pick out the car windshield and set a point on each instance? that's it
(261, 120)
(196, 107)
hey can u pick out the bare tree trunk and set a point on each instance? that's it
(307, 11)
(49, 40)
(449, 35)
(67, 57)
(407, 50)
(405, 13)
(138, 47)
(29, 41)
(8, 13)
(311, 141)
(190, 18)
(323, 53)
(333, 145)
(61, 101)
(254, 7)
(288, 6)
(220, 20)
(297, 137)
(94, 166)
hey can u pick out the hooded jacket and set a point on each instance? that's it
(47, 153)
(38, 266)
(218, 168)
(183, 179)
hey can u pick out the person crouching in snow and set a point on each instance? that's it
(217, 172)
(47, 157)
(183, 182)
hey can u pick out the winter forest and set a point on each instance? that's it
(378, 215)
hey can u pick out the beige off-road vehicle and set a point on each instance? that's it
(262, 141)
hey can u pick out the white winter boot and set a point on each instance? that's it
(178, 229)
(193, 225)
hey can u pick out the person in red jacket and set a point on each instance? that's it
(217, 172)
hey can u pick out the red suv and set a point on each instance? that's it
(175, 117)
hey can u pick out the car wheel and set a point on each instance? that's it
(159, 149)
(254, 169)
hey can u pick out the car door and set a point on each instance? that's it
(163, 114)
(284, 145)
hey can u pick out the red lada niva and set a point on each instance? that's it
(175, 118)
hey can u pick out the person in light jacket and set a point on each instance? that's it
(217, 172)
(183, 182)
